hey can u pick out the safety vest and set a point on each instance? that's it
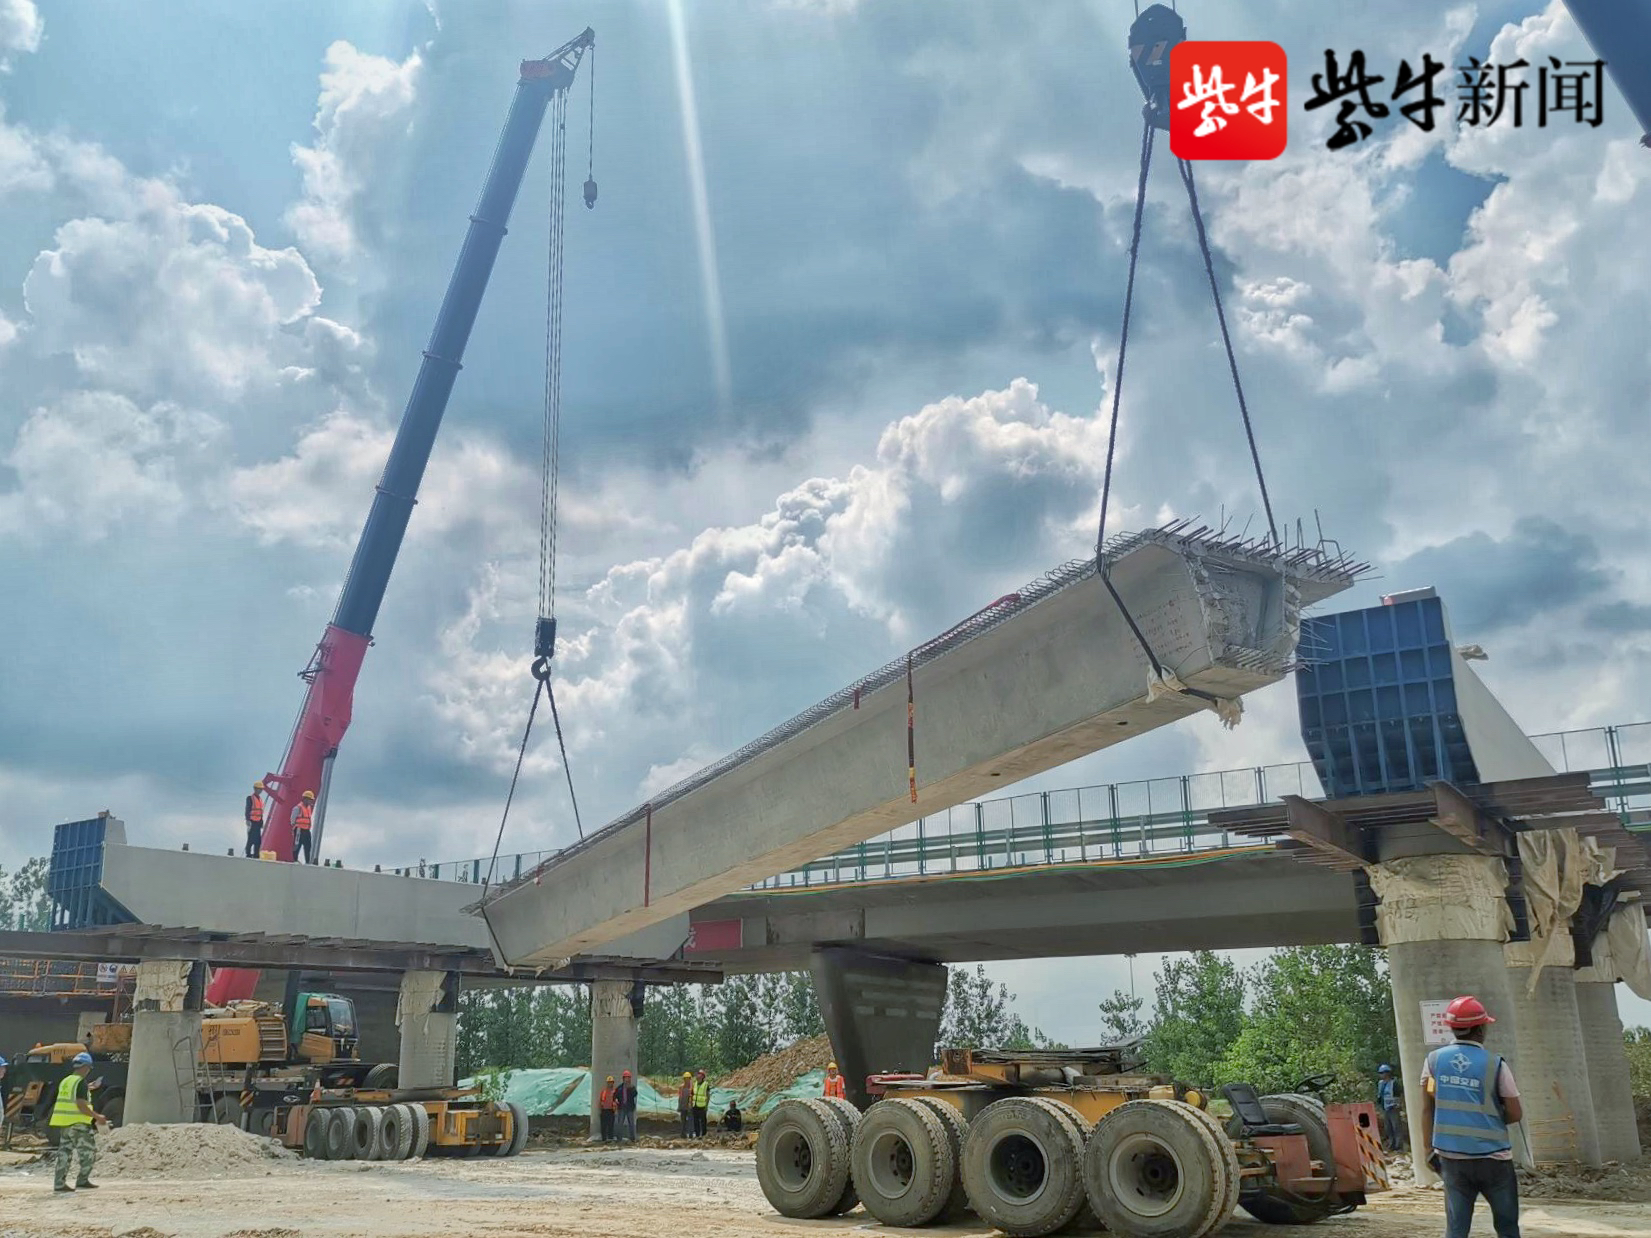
(66, 1109)
(834, 1087)
(305, 813)
(702, 1094)
(1467, 1115)
(608, 1099)
(255, 810)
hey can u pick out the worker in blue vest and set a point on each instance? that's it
(73, 1119)
(1469, 1099)
(1387, 1100)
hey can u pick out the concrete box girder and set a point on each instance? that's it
(1054, 681)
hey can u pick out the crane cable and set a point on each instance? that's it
(550, 469)
(1163, 680)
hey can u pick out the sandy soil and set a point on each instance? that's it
(635, 1193)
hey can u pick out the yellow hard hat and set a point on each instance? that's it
(257, 786)
(308, 795)
(610, 1078)
(831, 1065)
(687, 1074)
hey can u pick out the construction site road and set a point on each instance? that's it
(586, 1193)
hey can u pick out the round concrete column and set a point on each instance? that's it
(1443, 920)
(612, 1040)
(1550, 1062)
(1596, 1006)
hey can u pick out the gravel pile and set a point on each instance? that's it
(195, 1150)
(780, 1070)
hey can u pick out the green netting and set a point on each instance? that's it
(566, 1092)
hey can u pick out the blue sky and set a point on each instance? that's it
(221, 250)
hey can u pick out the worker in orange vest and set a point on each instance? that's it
(834, 1082)
(255, 821)
(608, 1107)
(303, 816)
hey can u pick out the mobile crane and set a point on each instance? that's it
(336, 662)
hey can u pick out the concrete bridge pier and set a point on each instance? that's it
(883, 1014)
(166, 1041)
(615, 1010)
(1601, 1029)
(1607, 1058)
(1555, 1090)
(427, 1012)
(1443, 920)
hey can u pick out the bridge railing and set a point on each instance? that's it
(1153, 819)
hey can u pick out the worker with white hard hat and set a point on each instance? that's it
(255, 820)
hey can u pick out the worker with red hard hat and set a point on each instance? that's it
(1469, 1100)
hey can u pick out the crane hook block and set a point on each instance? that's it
(1151, 39)
(590, 192)
(544, 638)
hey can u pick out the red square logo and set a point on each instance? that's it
(1228, 100)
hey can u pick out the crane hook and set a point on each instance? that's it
(590, 192)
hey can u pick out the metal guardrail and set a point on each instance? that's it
(1150, 819)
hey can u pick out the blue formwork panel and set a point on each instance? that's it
(75, 876)
(1377, 697)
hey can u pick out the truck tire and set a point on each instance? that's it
(518, 1129)
(502, 1148)
(1306, 1112)
(340, 1129)
(263, 1123)
(1234, 1177)
(115, 1109)
(420, 1117)
(366, 1132)
(385, 1075)
(1022, 1166)
(315, 1134)
(902, 1163)
(395, 1134)
(849, 1118)
(1154, 1170)
(802, 1159)
(957, 1130)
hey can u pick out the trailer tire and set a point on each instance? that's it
(803, 1159)
(957, 1130)
(385, 1075)
(365, 1123)
(1153, 1170)
(849, 1118)
(340, 1129)
(315, 1134)
(1022, 1166)
(518, 1129)
(1306, 1112)
(395, 1134)
(420, 1117)
(902, 1162)
(1230, 1153)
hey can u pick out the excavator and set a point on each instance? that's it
(331, 673)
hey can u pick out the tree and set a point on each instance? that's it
(1315, 1009)
(1121, 1017)
(979, 1015)
(799, 1006)
(1198, 1012)
(1637, 1041)
(737, 1023)
(24, 903)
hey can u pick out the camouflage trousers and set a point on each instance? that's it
(75, 1141)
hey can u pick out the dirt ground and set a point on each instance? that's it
(583, 1193)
